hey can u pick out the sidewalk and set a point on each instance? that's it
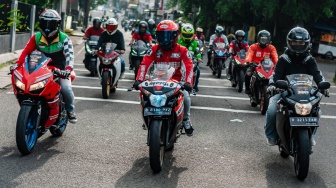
(6, 58)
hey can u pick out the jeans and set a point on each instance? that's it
(68, 94)
(122, 64)
(198, 70)
(270, 128)
(186, 105)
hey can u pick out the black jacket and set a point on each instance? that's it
(117, 38)
(291, 64)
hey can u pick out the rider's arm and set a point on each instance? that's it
(68, 52)
(314, 70)
(121, 43)
(274, 54)
(225, 40)
(212, 38)
(231, 47)
(187, 65)
(279, 71)
(29, 48)
(148, 59)
(87, 33)
(246, 46)
(250, 53)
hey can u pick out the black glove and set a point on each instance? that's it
(187, 87)
(271, 90)
(13, 67)
(64, 74)
(136, 84)
(325, 92)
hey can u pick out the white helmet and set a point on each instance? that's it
(111, 26)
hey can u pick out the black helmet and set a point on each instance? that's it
(96, 22)
(142, 24)
(49, 23)
(264, 38)
(298, 40)
(240, 33)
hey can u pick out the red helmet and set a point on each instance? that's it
(166, 34)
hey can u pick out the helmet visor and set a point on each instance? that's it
(264, 40)
(47, 26)
(299, 46)
(165, 37)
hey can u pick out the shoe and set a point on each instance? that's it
(122, 76)
(130, 67)
(228, 76)
(312, 142)
(72, 117)
(196, 88)
(188, 127)
(247, 91)
(208, 64)
(272, 141)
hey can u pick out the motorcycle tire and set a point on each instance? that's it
(219, 68)
(136, 68)
(106, 84)
(26, 133)
(156, 145)
(241, 78)
(62, 120)
(92, 68)
(264, 100)
(301, 154)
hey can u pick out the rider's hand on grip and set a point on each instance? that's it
(136, 84)
(64, 74)
(325, 92)
(187, 87)
(271, 90)
(13, 67)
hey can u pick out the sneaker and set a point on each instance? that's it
(196, 88)
(72, 117)
(188, 127)
(122, 76)
(228, 76)
(312, 142)
(193, 91)
(272, 141)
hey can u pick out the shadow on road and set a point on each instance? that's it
(141, 174)
(13, 164)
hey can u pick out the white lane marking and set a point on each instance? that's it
(80, 51)
(192, 107)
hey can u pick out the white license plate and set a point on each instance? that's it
(157, 111)
(304, 121)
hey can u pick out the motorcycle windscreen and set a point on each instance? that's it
(35, 60)
(220, 45)
(267, 64)
(109, 48)
(93, 41)
(242, 54)
(301, 86)
(140, 46)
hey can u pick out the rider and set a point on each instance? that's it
(295, 60)
(257, 52)
(58, 46)
(94, 30)
(236, 46)
(167, 51)
(140, 34)
(152, 28)
(112, 34)
(187, 41)
(218, 34)
(199, 34)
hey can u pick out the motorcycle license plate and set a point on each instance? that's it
(304, 121)
(157, 111)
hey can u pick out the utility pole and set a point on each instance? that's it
(156, 7)
(86, 13)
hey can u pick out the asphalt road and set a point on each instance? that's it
(107, 147)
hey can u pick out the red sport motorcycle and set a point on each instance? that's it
(259, 83)
(238, 70)
(162, 111)
(37, 89)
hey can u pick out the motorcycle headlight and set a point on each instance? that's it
(38, 85)
(261, 75)
(303, 109)
(107, 61)
(158, 100)
(237, 61)
(19, 84)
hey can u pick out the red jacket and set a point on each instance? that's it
(146, 37)
(202, 37)
(257, 54)
(179, 57)
(92, 31)
(241, 45)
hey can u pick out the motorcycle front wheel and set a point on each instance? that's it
(26, 132)
(156, 145)
(301, 155)
(92, 68)
(219, 68)
(106, 84)
(240, 79)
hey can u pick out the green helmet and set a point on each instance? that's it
(187, 32)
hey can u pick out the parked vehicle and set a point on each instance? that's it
(109, 68)
(298, 118)
(42, 108)
(259, 83)
(162, 111)
(238, 70)
(218, 58)
(138, 50)
(90, 46)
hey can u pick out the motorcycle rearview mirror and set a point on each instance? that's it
(324, 85)
(282, 84)
(82, 30)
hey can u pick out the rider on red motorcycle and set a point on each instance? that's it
(218, 36)
(199, 35)
(236, 45)
(58, 46)
(167, 51)
(257, 52)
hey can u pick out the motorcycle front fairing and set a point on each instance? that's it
(139, 49)
(220, 50)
